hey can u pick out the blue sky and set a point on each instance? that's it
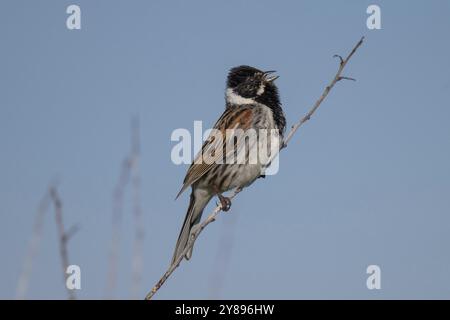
(366, 181)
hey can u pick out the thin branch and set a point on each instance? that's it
(194, 235)
(336, 79)
(212, 217)
(63, 237)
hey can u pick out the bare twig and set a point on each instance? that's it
(63, 237)
(194, 235)
(337, 78)
(212, 217)
(137, 264)
(24, 279)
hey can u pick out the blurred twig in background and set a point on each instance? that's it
(129, 171)
(51, 196)
(33, 246)
(137, 263)
(63, 236)
(117, 213)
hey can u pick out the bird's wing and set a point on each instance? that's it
(240, 117)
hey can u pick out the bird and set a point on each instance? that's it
(252, 102)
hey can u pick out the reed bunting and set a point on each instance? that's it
(252, 103)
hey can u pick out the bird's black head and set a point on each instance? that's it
(246, 84)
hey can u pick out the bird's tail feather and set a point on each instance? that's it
(194, 213)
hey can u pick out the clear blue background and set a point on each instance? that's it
(366, 181)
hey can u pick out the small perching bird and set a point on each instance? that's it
(252, 106)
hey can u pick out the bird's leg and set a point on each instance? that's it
(225, 202)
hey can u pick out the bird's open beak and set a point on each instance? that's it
(269, 77)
